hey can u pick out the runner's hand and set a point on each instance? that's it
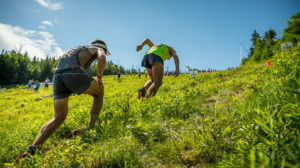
(176, 73)
(138, 48)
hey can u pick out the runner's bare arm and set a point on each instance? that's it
(101, 59)
(144, 42)
(176, 60)
(101, 63)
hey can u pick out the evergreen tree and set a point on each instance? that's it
(22, 71)
(270, 36)
(257, 54)
(269, 40)
(292, 31)
(266, 52)
(7, 70)
(36, 73)
(46, 69)
(254, 37)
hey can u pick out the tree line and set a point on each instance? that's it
(266, 46)
(18, 68)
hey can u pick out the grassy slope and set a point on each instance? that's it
(245, 117)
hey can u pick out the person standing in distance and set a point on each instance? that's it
(154, 62)
(47, 82)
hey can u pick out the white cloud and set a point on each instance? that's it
(42, 27)
(50, 5)
(36, 43)
(46, 22)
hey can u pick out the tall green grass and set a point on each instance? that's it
(246, 117)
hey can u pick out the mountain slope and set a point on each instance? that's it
(246, 117)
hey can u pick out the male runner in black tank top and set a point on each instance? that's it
(70, 77)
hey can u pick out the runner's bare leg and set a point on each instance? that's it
(94, 90)
(149, 82)
(96, 109)
(157, 73)
(61, 111)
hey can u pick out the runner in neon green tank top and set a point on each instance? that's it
(153, 61)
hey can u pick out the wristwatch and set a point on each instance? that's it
(100, 77)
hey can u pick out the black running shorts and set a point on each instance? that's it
(71, 81)
(149, 59)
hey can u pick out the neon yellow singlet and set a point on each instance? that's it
(160, 50)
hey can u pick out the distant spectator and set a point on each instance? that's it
(37, 86)
(119, 74)
(29, 84)
(32, 82)
(47, 82)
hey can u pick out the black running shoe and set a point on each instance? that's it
(29, 151)
(27, 154)
(142, 92)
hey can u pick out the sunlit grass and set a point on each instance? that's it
(246, 117)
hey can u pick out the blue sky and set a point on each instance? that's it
(205, 34)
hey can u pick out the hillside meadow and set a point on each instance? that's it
(245, 117)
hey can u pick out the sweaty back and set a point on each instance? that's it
(85, 58)
(75, 58)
